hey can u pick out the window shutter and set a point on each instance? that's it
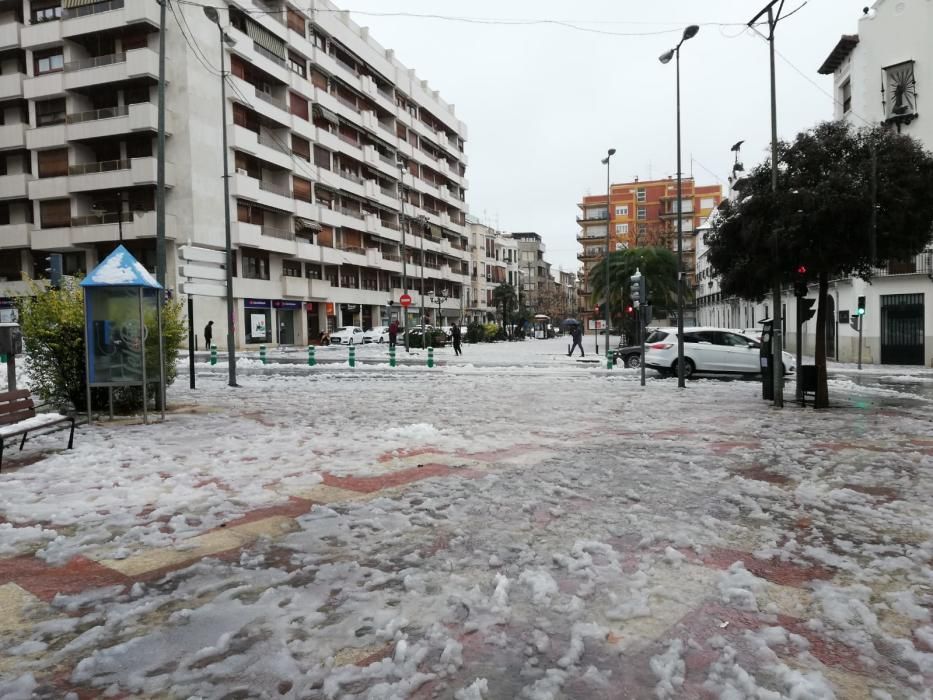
(295, 21)
(54, 213)
(301, 189)
(53, 163)
(301, 148)
(299, 106)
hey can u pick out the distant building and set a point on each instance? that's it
(643, 213)
(494, 262)
(535, 270)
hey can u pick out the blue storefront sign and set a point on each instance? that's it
(257, 304)
(286, 304)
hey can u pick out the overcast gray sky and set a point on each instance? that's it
(543, 103)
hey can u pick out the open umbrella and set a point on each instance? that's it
(569, 323)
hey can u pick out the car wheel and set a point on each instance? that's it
(689, 368)
(633, 361)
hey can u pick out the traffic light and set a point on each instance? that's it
(630, 309)
(800, 282)
(638, 289)
(805, 310)
(860, 311)
(596, 309)
(54, 270)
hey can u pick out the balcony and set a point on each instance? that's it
(14, 186)
(117, 174)
(11, 86)
(15, 235)
(10, 35)
(95, 228)
(108, 17)
(12, 136)
(262, 146)
(295, 286)
(112, 68)
(112, 121)
(41, 35)
(597, 216)
(41, 86)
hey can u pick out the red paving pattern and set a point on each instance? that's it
(371, 484)
(45, 581)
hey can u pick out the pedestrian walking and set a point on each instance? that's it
(393, 332)
(282, 333)
(209, 334)
(455, 336)
(577, 335)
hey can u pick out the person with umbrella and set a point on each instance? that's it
(576, 334)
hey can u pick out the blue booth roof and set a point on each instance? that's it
(120, 269)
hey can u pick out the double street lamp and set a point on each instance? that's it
(666, 57)
(225, 38)
(438, 298)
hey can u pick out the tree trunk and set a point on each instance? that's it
(822, 390)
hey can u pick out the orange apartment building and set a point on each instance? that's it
(642, 213)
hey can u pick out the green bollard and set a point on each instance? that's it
(391, 356)
(262, 354)
(352, 356)
(311, 359)
(3, 359)
(430, 357)
(213, 354)
(608, 358)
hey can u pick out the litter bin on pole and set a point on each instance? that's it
(767, 360)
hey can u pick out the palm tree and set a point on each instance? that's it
(504, 296)
(658, 265)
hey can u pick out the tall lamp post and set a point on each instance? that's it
(605, 161)
(228, 245)
(666, 57)
(424, 224)
(438, 299)
(401, 221)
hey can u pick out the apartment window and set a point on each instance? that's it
(295, 21)
(846, 96)
(291, 268)
(245, 118)
(46, 11)
(312, 272)
(249, 214)
(49, 61)
(321, 157)
(301, 189)
(136, 94)
(641, 195)
(621, 228)
(50, 112)
(301, 147)
(642, 229)
(297, 64)
(255, 264)
(318, 79)
(299, 106)
(319, 40)
(642, 212)
(54, 213)
(622, 210)
(53, 163)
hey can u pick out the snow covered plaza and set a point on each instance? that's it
(509, 524)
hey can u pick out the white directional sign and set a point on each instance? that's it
(204, 270)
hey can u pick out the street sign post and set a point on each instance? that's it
(206, 275)
(405, 300)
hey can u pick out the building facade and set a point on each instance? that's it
(878, 75)
(643, 213)
(495, 262)
(346, 171)
(534, 270)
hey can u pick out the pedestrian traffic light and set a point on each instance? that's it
(805, 310)
(860, 311)
(54, 270)
(630, 309)
(800, 282)
(596, 309)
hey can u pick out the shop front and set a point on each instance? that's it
(257, 314)
(286, 313)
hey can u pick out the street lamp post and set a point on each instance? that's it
(689, 33)
(401, 221)
(214, 17)
(424, 222)
(605, 161)
(438, 300)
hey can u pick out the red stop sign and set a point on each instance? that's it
(405, 300)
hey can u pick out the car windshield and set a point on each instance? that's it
(656, 336)
(343, 329)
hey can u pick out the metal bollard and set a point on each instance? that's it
(213, 354)
(391, 356)
(352, 356)
(311, 359)
(430, 357)
(262, 354)
(608, 358)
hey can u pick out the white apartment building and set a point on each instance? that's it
(495, 262)
(347, 182)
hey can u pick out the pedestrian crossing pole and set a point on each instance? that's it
(213, 354)
(352, 358)
(311, 359)
(262, 354)
(391, 356)
(430, 357)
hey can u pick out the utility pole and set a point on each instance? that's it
(160, 155)
(401, 221)
(777, 336)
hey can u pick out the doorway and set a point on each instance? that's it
(831, 325)
(902, 329)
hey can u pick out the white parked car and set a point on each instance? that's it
(347, 335)
(707, 351)
(379, 334)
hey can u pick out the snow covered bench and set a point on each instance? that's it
(18, 417)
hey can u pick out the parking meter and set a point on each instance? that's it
(767, 360)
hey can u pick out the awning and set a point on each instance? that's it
(324, 113)
(71, 4)
(266, 39)
(306, 224)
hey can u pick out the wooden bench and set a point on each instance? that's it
(18, 417)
